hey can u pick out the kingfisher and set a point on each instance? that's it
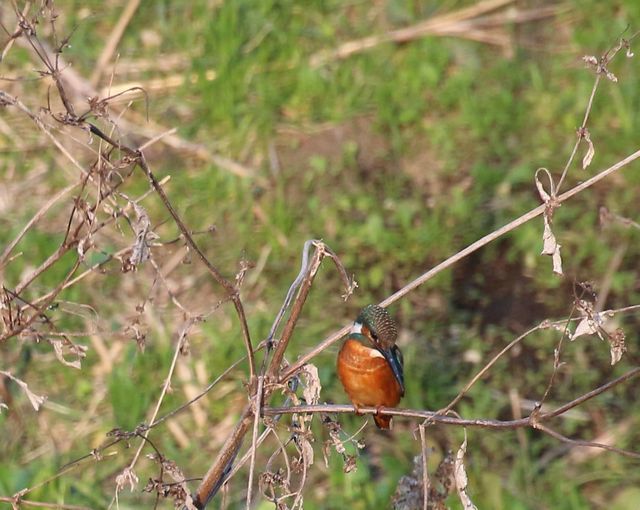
(370, 363)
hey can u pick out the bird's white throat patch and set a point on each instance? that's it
(356, 329)
(375, 353)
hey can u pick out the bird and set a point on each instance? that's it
(370, 364)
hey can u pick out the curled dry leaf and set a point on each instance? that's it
(592, 322)
(312, 387)
(36, 400)
(546, 197)
(79, 351)
(550, 245)
(127, 476)
(140, 251)
(460, 476)
(590, 325)
(617, 345)
(303, 443)
(610, 76)
(350, 464)
(591, 151)
(334, 428)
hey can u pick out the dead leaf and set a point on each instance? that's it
(80, 351)
(591, 151)
(541, 191)
(586, 326)
(617, 345)
(592, 323)
(311, 387)
(350, 464)
(550, 245)
(36, 400)
(460, 476)
(141, 250)
(306, 449)
(127, 476)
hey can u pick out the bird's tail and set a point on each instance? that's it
(383, 421)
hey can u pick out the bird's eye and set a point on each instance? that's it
(374, 335)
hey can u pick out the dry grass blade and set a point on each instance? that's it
(113, 40)
(465, 23)
(36, 400)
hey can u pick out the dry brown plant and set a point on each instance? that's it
(99, 204)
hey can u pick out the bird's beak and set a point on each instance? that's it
(395, 365)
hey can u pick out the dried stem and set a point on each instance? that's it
(17, 502)
(334, 337)
(425, 473)
(37, 217)
(165, 387)
(257, 402)
(223, 463)
(305, 287)
(534, 420)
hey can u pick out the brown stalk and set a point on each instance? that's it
(425, 472)
(534, 420)
(16, 502)
(440, 418)
(214, 478)
(189, 322)
(305, 287)
(220, 470)
(137, 156)
(37, 217)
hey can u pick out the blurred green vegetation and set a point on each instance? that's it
(397, 157)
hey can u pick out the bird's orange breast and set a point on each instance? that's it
(367, 378)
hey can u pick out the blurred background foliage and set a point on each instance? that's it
(397, 157)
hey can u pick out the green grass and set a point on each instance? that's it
(396, 157)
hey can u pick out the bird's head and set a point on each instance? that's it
(375, 325)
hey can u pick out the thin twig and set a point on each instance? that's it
(257, 401)
(165, 387)
(37, 217)
(305, 287)
(226, 284)
(425, 473)
(583, 443)
(215, 477)
(334, 337)
(16, 502)
(529, 421)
